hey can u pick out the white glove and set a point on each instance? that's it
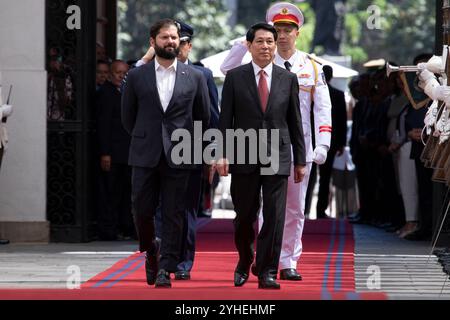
(6, 110)
(320, 154)
(421, 66)
(435, 64)
(442, 93)
(437, 92)
(426, 75)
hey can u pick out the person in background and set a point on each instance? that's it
(338, 142)
(102, 73)
(115, 219)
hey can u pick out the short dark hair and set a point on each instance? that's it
(328, 72)
(262, 25)
(422, 57)
(163, 23)
(100, 61)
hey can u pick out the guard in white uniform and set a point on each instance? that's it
(288, 19)
(5, 112)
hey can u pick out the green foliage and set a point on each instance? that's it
(407, 26)
(307, 31)
(208, 18)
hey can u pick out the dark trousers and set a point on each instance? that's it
(391, 203)
(367, 169)
(187, 250)
(148, 184)
(245, 192)
(190, 221)
(324, 184)
(425, 185)
(115, 203)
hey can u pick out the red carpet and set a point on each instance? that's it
(327, 267)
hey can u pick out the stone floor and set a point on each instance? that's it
(403, 269)
(406, 268)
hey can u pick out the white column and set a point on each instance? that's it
(23, 172)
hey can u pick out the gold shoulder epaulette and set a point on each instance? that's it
(312, 58)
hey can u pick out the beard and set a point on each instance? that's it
(165, 54)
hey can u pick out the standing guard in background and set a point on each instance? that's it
(5, 112)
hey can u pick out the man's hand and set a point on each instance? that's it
(105, 163)
(222, 167)
(415, 134)
(299, 173)
(393, 147)
(320, 155)
(149, 55)
(210, 170)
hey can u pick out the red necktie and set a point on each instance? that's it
(263, 90)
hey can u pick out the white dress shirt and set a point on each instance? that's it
(165, 81)
(268, 70)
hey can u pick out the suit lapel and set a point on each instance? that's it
(273, 87)
(181, 77)
(150, 77)
(249, 77)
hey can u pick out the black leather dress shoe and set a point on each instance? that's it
(182, 275)
(268, 282)
(290, 274)
(4, 241)
(163, 279)
(151, 264)
(240, 278)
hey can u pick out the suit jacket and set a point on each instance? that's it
(241, 109)
(113, 140)
(150, 127)
(339, 118)
(213, 95)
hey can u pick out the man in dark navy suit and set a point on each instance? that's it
(159, 98)
(115, 219)
(196, 177)
(261, 95)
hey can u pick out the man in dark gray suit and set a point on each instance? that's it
(261, 95)
(159, 98)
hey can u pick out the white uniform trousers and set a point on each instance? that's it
(291, 248)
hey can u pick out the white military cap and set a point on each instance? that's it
(285, 12)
